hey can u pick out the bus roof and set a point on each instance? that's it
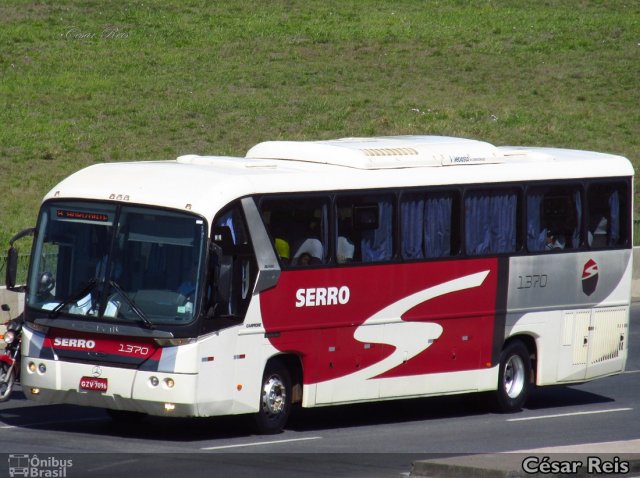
(204, 184)
(382, 153)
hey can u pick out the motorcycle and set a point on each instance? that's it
(10, 359)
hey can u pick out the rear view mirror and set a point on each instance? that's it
(13, 262)
(12, 268)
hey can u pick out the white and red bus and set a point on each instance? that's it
(329, 272)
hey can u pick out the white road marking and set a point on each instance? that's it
(260, 443)
(111, 465)
(612, 447)
(560, 415)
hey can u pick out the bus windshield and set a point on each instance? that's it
(117, 262)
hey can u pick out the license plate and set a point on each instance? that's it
(93, 383)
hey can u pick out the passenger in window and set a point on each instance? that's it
(345, 246)
(305, 260)
(555, 241)
(283, 249)
(345, 250)
(188, 287)
(281, 244)
(310, 252)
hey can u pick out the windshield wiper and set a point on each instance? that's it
(141, 315)
(86, 289)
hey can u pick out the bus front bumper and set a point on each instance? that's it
(154, 393)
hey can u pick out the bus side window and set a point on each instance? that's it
(365, 228)
(298, 229)
(554, 218)
(234, 264)
(491, 221)
(427, 225)
(606, 206)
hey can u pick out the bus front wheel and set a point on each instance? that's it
(514, 377)
(275, 399)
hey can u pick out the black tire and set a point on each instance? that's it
(275, 399)
(7, 379)
(514, 378)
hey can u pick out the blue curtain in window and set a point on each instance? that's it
(536, 234)
(614, 208)
(227, 220)
(477, 230)
(577, 230)
(437, 226)
(412, 219)
(490, 220)
(377, 244)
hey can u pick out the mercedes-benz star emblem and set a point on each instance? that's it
(96, 371)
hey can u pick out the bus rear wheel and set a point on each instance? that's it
(275, 399)
(514, 378)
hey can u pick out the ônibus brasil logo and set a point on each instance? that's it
(590, 277)
(34, 466)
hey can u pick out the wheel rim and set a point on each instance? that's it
(274, 396)
(513, 380)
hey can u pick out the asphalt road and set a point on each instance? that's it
(370, 440)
